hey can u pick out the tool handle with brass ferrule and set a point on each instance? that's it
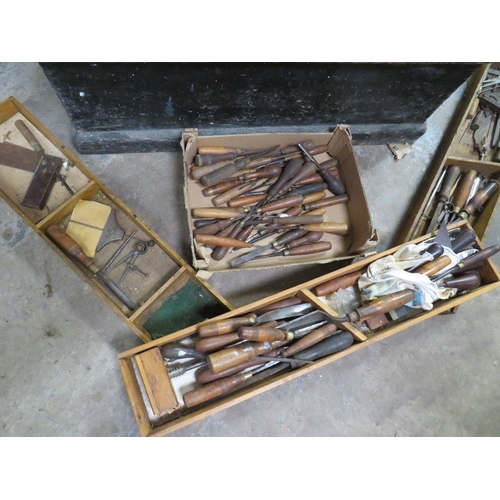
(335, 284)
(479, 199)
(326, 202)
(382, 305)
(434, 266)
(209, 239)
(234, 356)
(463, 189)
(298, 219)
(341, 229)
(262, 334)
(307, 169)
(282, 203)
(226, 325)
(216, 213)
(465, 281)
(228, 195)
(245, 201)
(29, 136)
(211, 344)
(206, 376)
(310, 339)
(222, 187)
(214, 389)
(69, 246)
(475, 260)
(309, 249)
(239, 233)
(214, 227)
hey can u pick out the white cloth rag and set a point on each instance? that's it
(387, 275)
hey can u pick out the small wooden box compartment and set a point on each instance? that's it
(171, 414)
(171, 286)
(456, 148)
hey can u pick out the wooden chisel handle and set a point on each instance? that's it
(211, 344)
(262, 334)
(322, 246)
(66, 243)
(328, 227)
(326, 202)
(226, 325)
(206, 376)
(215, 213)
(310, 339)
(335, 284)
(209, 239)
(28, 135)
(213, 389)
(463, 189)
(434, 266)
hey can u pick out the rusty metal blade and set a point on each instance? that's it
(18, 157)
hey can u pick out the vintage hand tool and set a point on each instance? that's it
(334, 184)
(202, 159)
(140, 248)
(443, 195)
(232, 324)
(116, 253)
(71, 248)
(226, 171)
(477, 202)
(40, 178)
(480, 127)
(335, 343)
(307, 249)
(222, 386)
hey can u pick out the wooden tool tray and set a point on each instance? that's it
(456, 148)
(354, 213)
(157, 397)
(169, 298)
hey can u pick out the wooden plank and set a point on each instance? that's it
(156, 382)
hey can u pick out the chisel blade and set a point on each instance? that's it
(284, 312)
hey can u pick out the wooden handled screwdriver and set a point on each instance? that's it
(69, 246)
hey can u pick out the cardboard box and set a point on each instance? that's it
(362, 236)
(170, 297)
(456, 149)
(161, 415)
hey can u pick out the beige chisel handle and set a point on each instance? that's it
(262, 334)
(328, 227)
(216, 213)
(226, 325)
(310, 339)
(335, 284)
(219, 150)
(28, 135)
(209, 239)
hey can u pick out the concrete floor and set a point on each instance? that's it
(59, 374)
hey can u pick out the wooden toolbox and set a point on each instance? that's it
(458, 155)
(159, 383)
(163, 292)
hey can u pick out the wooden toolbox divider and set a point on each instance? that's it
(171, 283)
(157, 393)
(456, 149)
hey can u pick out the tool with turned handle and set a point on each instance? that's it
(69, 246)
